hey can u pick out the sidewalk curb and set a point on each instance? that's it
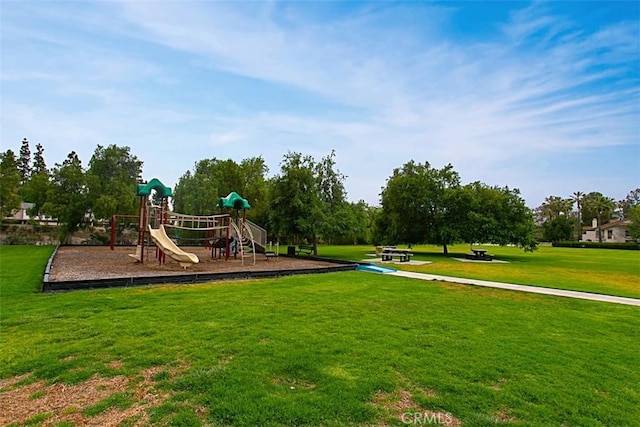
(521, 288)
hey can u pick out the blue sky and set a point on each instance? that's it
(541, 96)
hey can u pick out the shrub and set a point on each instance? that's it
(99, 238)
(20, 237)
(597, 245)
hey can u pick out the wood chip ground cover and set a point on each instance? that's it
(99, 262)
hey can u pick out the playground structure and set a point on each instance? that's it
(222, 233)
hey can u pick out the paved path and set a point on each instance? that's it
(521, 288)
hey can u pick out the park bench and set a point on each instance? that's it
(403, 255)
(272, 253)
(306, 249)
(479, 255)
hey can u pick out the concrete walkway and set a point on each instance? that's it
(521, 288)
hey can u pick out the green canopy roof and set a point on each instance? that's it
(154, 184)
(233, 201)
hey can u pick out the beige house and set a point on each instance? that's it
(612, 232)
(22, 215)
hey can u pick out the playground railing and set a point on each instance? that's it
(259, 233)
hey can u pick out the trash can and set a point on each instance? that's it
(291, 250)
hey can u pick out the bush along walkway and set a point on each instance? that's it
(521, 288)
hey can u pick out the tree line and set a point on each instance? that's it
(76, 196)
(564, 218)
(304, 201)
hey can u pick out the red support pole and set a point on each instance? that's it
(113, 231)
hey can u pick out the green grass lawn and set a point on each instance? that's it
(331, 349)
(605, 271)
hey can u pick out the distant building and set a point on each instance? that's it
(612, 232)
(23, 217)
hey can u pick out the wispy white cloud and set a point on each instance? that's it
(541, 84)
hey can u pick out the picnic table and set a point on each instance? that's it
(480, 255)
(403, 255)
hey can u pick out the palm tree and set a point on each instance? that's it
(577, 197)
(554, 206)
(601, 206)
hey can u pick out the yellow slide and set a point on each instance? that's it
(160, 238)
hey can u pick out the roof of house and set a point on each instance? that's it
(618, 223)
(611, 224)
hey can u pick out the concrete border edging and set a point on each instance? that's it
(47, 269)
(121, 282)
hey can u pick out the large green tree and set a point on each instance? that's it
(9, 184)
(293, 202)
(198, 191)
(336, 216)
(111, 180)
(497, 215)
(36, 191)
(307, 199)
(354, 225)
(68, 199)
(420, 205)
(195, 193)
(382, 229)
(558, 229)
(254, 188)
(426, 205)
